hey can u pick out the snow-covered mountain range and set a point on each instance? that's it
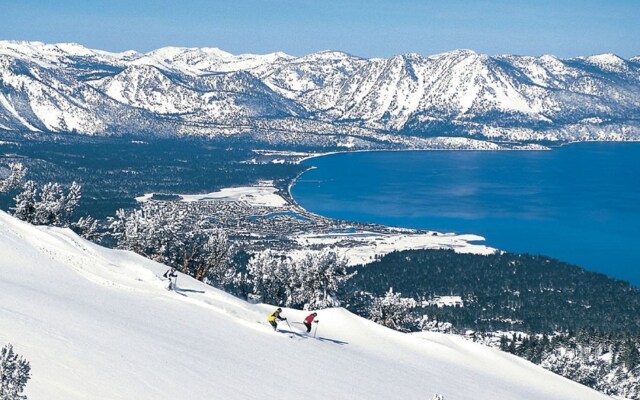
(323, 98)
(96, 323)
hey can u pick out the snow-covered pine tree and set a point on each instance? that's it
(154, 231)
(320, 276)
(12, 178)
(271, 278)
(47, 206)
(50, 207)
(631, 356)
(392, 311)
(25, 208)
(167, 232)
(14, 374)
(312, 282)
(71, 201)
(89, 228)
(215, 265)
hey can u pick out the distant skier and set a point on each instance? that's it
(273, 318)
(170, 274)
(310, 318)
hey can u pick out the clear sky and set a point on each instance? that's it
(368, 28)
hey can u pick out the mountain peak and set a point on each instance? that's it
(412, 56)
(607, 61)
(328, 54)
(74, 49)
(460, 52)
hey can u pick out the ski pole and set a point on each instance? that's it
(287, 321)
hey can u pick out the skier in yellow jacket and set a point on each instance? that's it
(275, 316)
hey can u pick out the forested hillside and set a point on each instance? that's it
(580, 324)
(506, 291)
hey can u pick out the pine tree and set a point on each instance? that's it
(504, 343)
(89, 228)
(320, 276)
(13, 177)
(47, 206)
(50, 207)
(14, 374)
(25, 208)
(168, 233)
(512, 345)
(631, 356)
(215, 265)
(393, 311)
(269, 276)
(71, 201)
(312, 282)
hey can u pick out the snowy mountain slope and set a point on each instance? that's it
(225, 98)
(205, 61)
(42, 100)
(210, 92)
(98, 324)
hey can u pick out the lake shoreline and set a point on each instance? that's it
(490, 241)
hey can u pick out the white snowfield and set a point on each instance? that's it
(364, 247)
(265, 196)
(99, 324)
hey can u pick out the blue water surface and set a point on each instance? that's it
(579, 203)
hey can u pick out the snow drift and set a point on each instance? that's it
(99, 324)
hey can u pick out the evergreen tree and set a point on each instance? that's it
(512, 345)
(392, 311)
(14, 374)
(213, 262)
(168, 233)
(631, 356)
(25, 208)
(47, 206)
(320, 276)
(50, 208)
(504, 343)
(269, 276)
(312, 282)
(12, 177)
(89, 228)
(71, 201)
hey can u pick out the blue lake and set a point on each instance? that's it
(579, 203)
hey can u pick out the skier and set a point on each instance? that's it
(274, 317)
(310, 318)
(171, 273)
